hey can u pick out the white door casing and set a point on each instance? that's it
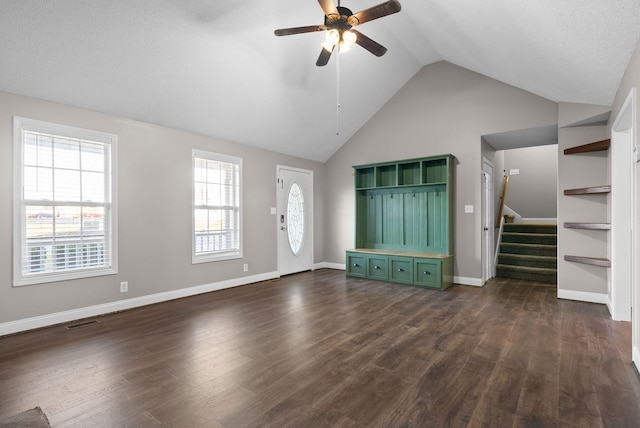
(622, 213)
(488, 237)
(294, 219)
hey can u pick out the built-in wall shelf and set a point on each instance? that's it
(594, 261)
(598, 146)
(590, 226)
(588, 190)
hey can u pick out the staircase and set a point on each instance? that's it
(529, 251)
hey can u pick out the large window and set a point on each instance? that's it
(217, 212)
(64, 204)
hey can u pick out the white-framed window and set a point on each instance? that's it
(65, 211)
(217, 207)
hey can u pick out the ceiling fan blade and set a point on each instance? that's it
(375, 12)
(323, 59)
(299, 30)
(372, 46)
(329, 8)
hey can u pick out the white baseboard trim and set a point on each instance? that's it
(636, 357)
(327, 265)
(582, 296)
(121, 305)
(476, 282)
(610, 305)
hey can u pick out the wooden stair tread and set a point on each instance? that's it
(523, 256)
(588, 190)
(598, 146)
(594, 261)
(526, 268)
(526, 245)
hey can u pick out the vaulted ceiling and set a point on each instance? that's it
(214, 67)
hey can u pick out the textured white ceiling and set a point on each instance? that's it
(214, 67)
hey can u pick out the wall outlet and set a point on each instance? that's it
(124, 286)
(245, 267)
(514, 172)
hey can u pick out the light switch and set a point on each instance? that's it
(273, 210)
(468, 209)
(514, 172)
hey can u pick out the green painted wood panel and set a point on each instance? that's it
(415, 219)
(362, 221)
(392, 219)
(437, 221)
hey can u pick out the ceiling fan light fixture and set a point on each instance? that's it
(348, 40)
(332, 39)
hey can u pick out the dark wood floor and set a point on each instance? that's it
(318, 349)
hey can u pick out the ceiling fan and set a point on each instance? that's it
(338, 22)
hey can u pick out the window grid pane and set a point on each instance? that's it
(216, 207)
(66, 204)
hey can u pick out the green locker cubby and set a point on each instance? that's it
(365, 178)
(409, 173)
(405, 206)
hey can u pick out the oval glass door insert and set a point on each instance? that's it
(295, 218)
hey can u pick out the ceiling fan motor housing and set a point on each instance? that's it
(340, 23)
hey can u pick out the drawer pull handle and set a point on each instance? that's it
(400, 270)
(376, 267)
(355, 265)
(426, 272)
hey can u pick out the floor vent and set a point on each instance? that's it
(80, 324)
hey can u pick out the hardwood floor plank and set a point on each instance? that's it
(320, 349)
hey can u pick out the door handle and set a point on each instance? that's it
(283, 228)
(486, 228)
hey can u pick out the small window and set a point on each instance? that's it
(217, 215)
(64, 210)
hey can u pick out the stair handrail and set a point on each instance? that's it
(498, 241)
(503, 198)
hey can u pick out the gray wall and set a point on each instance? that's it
(533, 193)
(442, 109)
(154, 174)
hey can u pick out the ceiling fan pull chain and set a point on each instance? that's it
(337, 92)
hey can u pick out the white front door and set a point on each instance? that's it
(487, 221)
(294, 220)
